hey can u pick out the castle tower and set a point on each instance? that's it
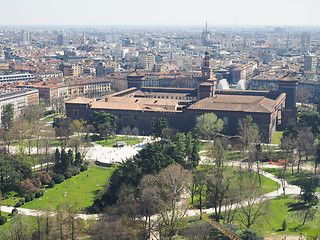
(206, 84)
(288, 85)
(135, 79)
(289, 115)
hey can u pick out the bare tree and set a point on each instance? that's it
(107, 229)
(288, 145)
(171, 185)
(305, 145)
(218, 183)
(249, 133)
(252, 205)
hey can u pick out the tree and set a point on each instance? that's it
(305, 144)
(170, 185)
(63, 130)
(249, 133)
(217, 151)
(104, 124)
(218, 184)
(107, 229)
(288, 144)
(310, 120)
(34, 112)
(13, 172)
(250, 234)
(160, 125)
(284, 225)
(317, 159)
(199, 179)
(308, 190)
(78, 160)
(209, 126)
(253, 206)
(7, 116)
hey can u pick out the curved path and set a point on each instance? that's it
(289, 189)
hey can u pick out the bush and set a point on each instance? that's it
(19, 203)
(31, 196)
(3, 220)
(86, 163)
(22, 201)
(74, 170)
(58, 178)
(51, 184)
(44, 178)
(83, 168)
(27, 198)
(67, 175)
(14, 212)
(38, 194)
(30, 185)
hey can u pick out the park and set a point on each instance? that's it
(69, 175)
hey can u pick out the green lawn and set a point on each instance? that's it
(276, 139)
(111, 142)
(81, 190)
(278, 210)
(271, 223)
(50, 119)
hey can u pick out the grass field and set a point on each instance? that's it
(278, 210)
(81, 190)
(276, 139)
(111, 142)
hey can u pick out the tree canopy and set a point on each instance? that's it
(7, 116)
(160, 125)
(209, 125)
(104, 124)
(150, 160)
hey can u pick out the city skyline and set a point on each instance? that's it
(165, 13)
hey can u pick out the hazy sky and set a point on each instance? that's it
(160, 12)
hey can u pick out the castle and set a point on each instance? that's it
(140, 106)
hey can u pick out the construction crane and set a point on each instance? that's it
(216, 225)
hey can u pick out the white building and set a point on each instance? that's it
(147, 61)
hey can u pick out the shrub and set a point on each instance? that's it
(44, 178)
(38, 194)
(83, 168)
(30, 185)
(14, 212)
(48, 112)
(19, 203)
(74, 170)
(58, 178)
(27, 198)
(86, 163)
(3, 220)
(67, 175)
(51, 184)
(31, 196)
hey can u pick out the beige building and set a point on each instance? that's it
(20, 100)
(310, 62)
(147, 61)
